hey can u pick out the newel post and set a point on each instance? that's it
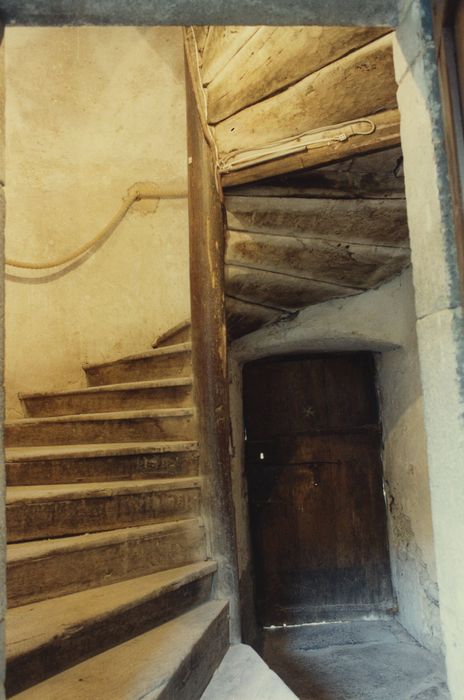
(209, 356)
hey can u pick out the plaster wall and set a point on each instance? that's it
(90, 111)
(439, 311)
(407, 490)
(381, 321)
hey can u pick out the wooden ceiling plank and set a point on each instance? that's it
(254, 306)
(386, 135)
(386, 162)
(348, 265)
(371, 176)
(276, 57)
(380, 222)
(293, 293)
(221, 46)
(293, 275)
(201, 35)
(243, 317)
(324, 186)
(358, 84)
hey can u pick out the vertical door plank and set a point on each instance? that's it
(317, 512)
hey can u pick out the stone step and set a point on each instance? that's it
(96, 463)
(244, 675)
(51, 568)
(161, 363)
(181, 333)
(55, 510)
(161, 393)
(82, 624)
(127, 426)
(175, 661)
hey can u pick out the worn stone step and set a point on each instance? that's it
(55, 510)
(51, 568)
(161, 363)
(161, 393)
(244, 675)
(128, 426)
(82, 624)
(66, 464)
(175, 661)
(181, 333)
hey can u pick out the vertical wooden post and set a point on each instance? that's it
(209, 355)
(2, 365)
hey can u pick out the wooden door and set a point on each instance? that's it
(317, 509)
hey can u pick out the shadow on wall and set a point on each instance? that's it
(98, 109)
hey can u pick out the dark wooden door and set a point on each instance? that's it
(317, 509)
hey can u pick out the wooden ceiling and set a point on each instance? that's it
(303, 225)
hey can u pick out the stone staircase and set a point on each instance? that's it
(109, 582)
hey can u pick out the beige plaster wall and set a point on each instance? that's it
(412, 548)
(90, 111)
(381, 321)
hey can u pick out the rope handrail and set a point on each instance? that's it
(240, 159)
(138, 191)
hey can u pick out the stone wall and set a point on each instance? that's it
(406, 481)
(147, 12)
(439, 311)
(90, 111)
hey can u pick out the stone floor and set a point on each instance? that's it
(360, 660)
(243, 675)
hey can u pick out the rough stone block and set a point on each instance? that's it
(429, 211)
(441, 344)
(146, 12)
(412, 36)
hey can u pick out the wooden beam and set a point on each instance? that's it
(209, 355)
(192, 62)
(201, 34)
(255, 305)
(372, 176)
(386, 135)
(244, 317)
(287, 291)
(369, 221)
(350, 264)
(276, 57)
(358, 84)
(221, 46)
